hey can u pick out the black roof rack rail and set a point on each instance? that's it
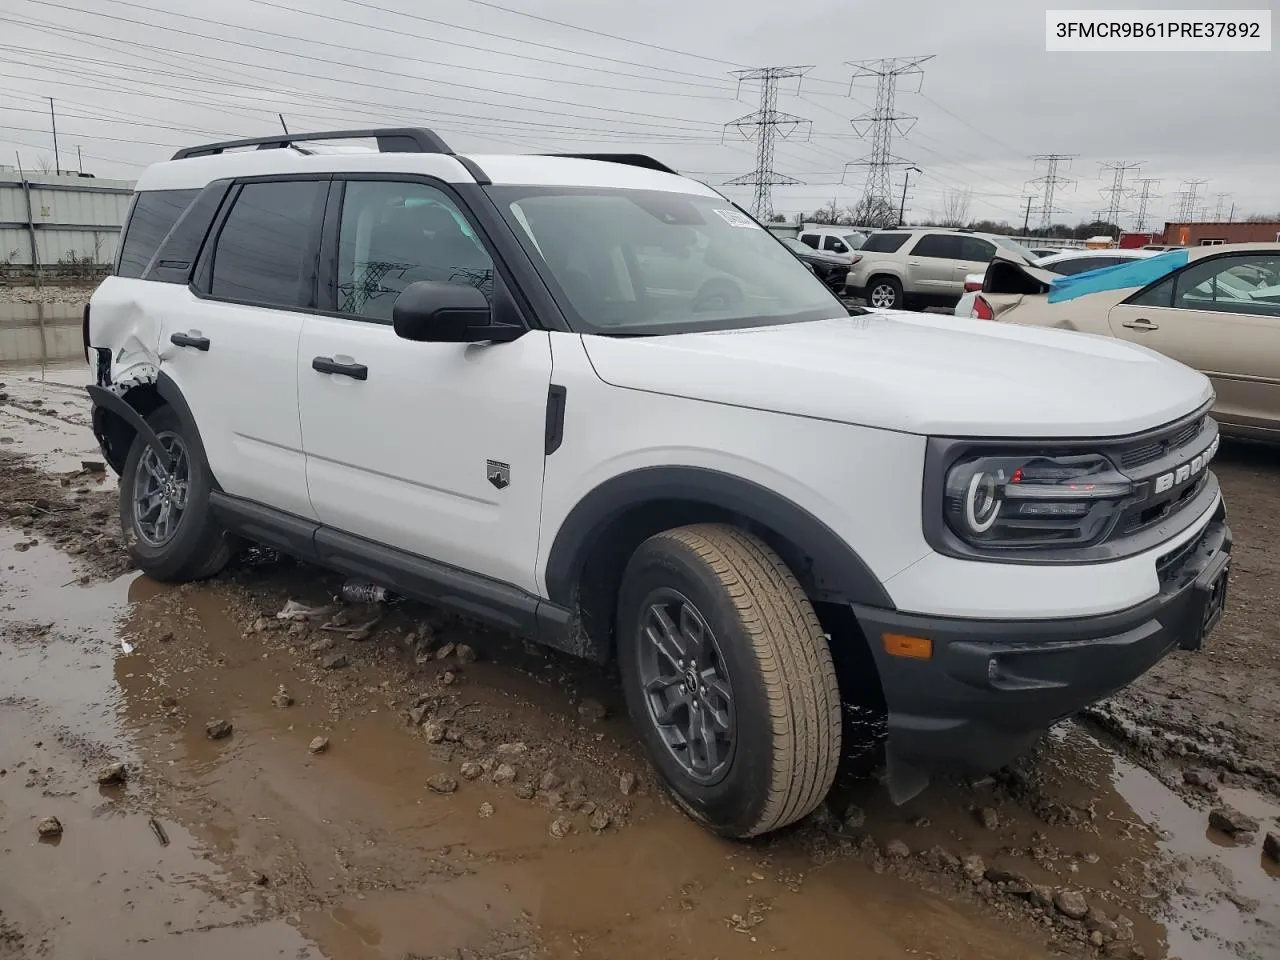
(390, 140)
(630, 159)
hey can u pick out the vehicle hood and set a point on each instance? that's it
(917, 374)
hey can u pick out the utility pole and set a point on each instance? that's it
(764, 126)
(53, 122)
(906, 179)
(879, 125)
(1050, 182)
(1026, 220)
(79, 160)
(1116, 191)
(1144, 198)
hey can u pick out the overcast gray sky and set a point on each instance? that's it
(134, 80)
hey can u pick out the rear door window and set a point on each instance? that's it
(268, 247)
(153, 216)
(885, 242)
(939, 246)
(976, 250)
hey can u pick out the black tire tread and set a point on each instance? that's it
(794, 661)
(209, 550)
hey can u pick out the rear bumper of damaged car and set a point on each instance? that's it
(967, 695)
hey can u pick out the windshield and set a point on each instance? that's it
(651, 262)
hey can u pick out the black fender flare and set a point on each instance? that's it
(170, 393)
(837, 572)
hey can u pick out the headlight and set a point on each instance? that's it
(1034, 501)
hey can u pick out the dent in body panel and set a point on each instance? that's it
(121, 317)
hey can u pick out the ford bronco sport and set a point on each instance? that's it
(590, 401)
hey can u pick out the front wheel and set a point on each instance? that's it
(728, 679)
(164, 508)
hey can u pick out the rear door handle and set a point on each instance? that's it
(1140, 324)
(186, 340)
(356, 371)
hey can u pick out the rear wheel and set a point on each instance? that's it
(164, 508)
(885, 293)
(728, 679)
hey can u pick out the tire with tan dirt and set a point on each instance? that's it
(728, 678)
(169, 530)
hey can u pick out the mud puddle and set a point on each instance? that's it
(277, 851)
(44, 414)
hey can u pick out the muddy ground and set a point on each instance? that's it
(470, 796)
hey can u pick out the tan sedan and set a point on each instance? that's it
(1214, 308)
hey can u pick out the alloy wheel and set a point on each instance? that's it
(686, 686)
(160, 494)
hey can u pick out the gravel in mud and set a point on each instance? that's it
(479, 798)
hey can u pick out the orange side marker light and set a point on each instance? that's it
(913, 648)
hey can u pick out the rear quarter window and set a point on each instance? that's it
(153, 215)
(884, 242)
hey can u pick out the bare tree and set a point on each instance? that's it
(1262, 218)
(955, 207)
(44, 164)
(870, 213)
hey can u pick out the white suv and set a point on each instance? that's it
(922, 266)
(453, 375)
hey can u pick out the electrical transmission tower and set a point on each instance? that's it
(1144, 199)
(1187, 197)
(1116, 192)
(1219, 206)
(880, 125)
(1049, 184)
(765, 126)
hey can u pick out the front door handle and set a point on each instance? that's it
(1140, 324)
(356, 371)
(186, 340)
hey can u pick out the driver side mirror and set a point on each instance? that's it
(429, 311)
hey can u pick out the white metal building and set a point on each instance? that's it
(62, 219)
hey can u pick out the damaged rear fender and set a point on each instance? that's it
(120, 411)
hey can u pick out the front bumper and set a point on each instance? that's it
(991, 688)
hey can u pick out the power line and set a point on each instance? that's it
(328, 61)
(1144, 198)
(880, 124)
(521, 41)
(601, 33)
(1049, 184)
(765, 125)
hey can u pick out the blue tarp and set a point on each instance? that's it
(1122, 276)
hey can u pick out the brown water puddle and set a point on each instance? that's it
(276, 852)
(46, 415)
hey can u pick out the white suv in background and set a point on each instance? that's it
(922, 266)
(841, 241)
(457, 376)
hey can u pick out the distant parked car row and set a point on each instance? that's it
(922, 267)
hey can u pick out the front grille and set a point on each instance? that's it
(1149, 512)
(1153, 448)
